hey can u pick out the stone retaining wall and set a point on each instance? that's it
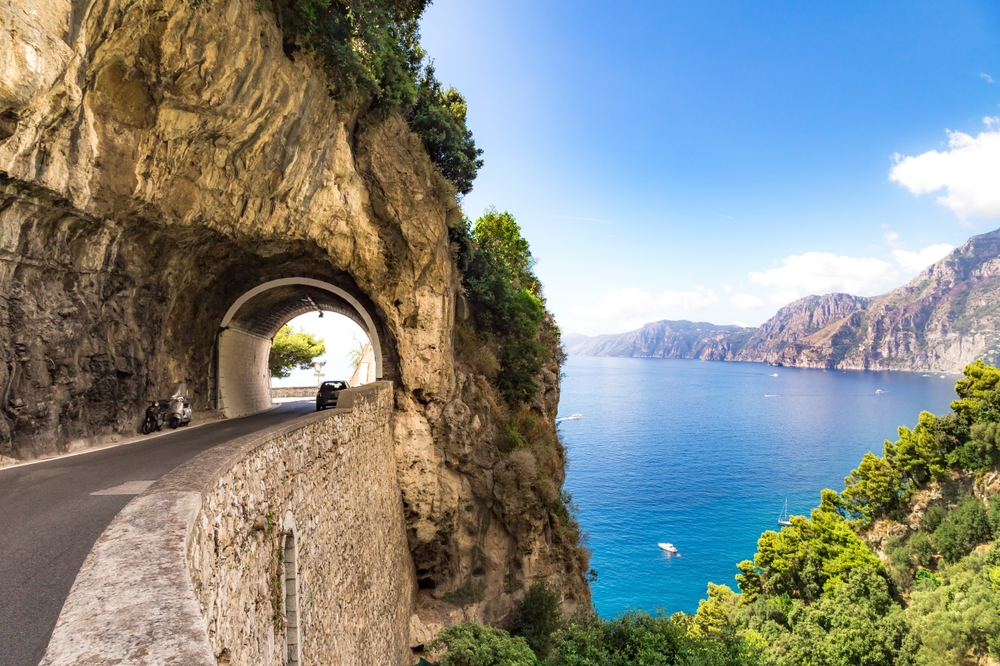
(193, 570)
(293, 391)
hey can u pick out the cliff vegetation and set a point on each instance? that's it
(900, 568)
(159, 161)
(371, 51)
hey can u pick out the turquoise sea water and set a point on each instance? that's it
(703, 455)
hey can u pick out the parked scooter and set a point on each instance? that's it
(156, 416)
(180, 411)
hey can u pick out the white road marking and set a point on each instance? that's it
(127, 488)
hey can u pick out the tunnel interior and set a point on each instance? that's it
(242, 383)
(97, 317)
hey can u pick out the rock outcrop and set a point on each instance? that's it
(942, 320)
(669, 339)
(160, 158)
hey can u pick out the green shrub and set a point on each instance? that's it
(467, 593)
(950, 541)
(966, 526)
(921, 548)
(537, 618)
(639, 639)
(371, 51)
(872, 489)
(471, 644)
(901, 560)
(994, 515)
(438, 118)
(504, 297)
(932, 518)
(368, 47)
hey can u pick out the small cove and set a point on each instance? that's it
(704, 455)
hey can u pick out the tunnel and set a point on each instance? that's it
(242, 379)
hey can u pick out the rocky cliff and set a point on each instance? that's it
(668, 339)
(943, 319)
(160, 158)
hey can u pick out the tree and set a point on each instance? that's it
(813, 555)
(470, 644)
(292, 349)
(918, 453)
(872, 488)
(505, 300)
(537, 619)
(639, 639)
(858, 625)
(438, 118)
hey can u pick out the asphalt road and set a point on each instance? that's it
(49, 520)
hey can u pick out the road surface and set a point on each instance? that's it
(50, 519)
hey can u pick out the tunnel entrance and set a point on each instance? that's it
(242, 381)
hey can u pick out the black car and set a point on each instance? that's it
(328, 394)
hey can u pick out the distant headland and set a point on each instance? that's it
(942, 320)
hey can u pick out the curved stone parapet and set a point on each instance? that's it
(198, 570)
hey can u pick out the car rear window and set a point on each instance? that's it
(334, 386)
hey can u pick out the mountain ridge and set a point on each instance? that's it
(943, 319)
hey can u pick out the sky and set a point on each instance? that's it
(713, 161)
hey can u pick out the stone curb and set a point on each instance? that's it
(133, 602)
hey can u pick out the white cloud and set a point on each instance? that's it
(824, 272)
(914, 262)
(986, 77)
(891, 237)
(969, 170)
(627, 309)
(784, 296)
(745, 301)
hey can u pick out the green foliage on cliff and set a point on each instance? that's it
(536, 618)
(293, 349)
(371, 51)
(633, 639)
(505, 299)
(471, 644)
(816, 593)
(437, 116)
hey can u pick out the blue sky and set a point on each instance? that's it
(713, 160)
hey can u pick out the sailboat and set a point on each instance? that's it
(783, 519)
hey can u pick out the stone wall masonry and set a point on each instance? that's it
(293, 391)
(244, 377)
(192, 571)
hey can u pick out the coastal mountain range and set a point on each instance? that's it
(945, 318)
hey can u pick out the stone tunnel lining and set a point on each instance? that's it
(244, 341)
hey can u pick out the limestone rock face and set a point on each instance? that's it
(798, 326)
(944, 319)
(669, 339)
(159, 158)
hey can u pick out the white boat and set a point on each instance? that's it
(783, 519)
(879, 391)
(667, 547)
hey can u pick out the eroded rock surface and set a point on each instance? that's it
(942, 320)
(159, 158)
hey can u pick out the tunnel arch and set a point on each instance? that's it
(242, 379)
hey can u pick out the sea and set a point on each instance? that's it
(704, 455)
